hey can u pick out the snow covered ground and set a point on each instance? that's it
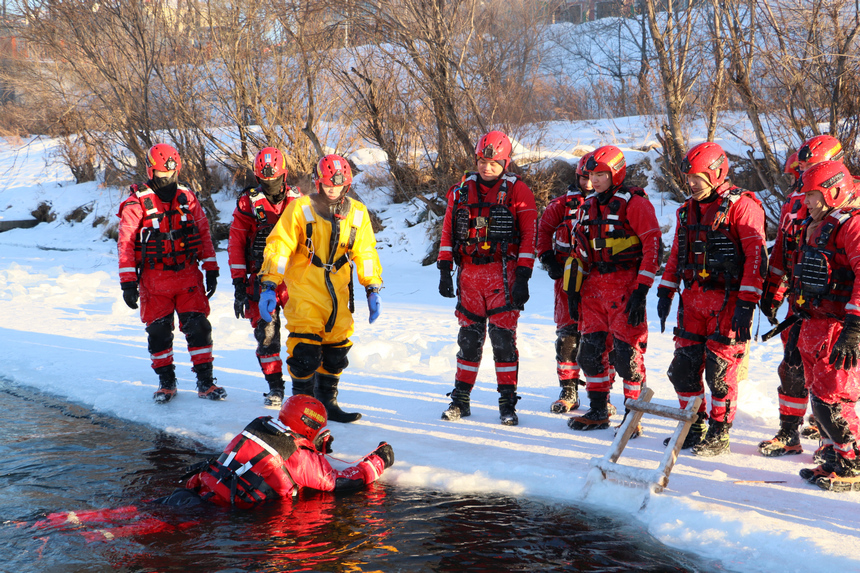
(65, 329)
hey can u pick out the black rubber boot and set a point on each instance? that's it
(508, 407)
(787, 439)
(696, 434)
(275, 396)
(716, 440)
(303, 386)
(206, 387)
(568, 399)
(842, 475)
(597, 417)
(166, 384)
(326, 392)
(459, 406)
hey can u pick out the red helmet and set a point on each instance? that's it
(333, 171)
(608, 158)
(162, 157)
(270, 163)
(305, 415)
(834, 181)
(792, 166)
(820, 148)
(581, 171)
(708, 158)
(495, 146)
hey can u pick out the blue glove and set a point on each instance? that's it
(268, 303)
(374, 304)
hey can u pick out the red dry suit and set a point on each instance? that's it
(253, 219)
(160, 245)
(792, 392)
(488, 231)
(825, 289)
(719, 255)
(269, 461)
(620, 238)
(555, 234)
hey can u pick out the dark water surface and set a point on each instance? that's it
(58, 457)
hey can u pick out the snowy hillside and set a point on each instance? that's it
(65, 329)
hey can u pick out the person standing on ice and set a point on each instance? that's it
(163, 236)
(826, 295)
(554, 243)
(719, 254)
(257, 211)
(489, 232)
(275, 458)
(619, 244)
(792, 392)
(312, 248)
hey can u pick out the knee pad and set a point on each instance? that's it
(685, 371)
(268, 335)
(592, 347)
(625, 361)
(504, 343)
(160, 334)
(716, 370)
(831, 421)
(566, 346)
(471, 341)
(334, 358)
(304, 359)
(196, 328)
(791, 381)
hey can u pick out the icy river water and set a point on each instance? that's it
(59, 458)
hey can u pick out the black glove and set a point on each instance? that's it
(211, 283)
(323, 441)
(769, 306)
(240, 297)
(386, 453)
(742, 320)
(446, 281)
(846, 351)
(664, 305)
(552, 266)
(636, 306)
(130, 294)
(520, 290)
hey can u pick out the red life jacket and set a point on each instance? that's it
(611, 242)
(821, 271)
(264, 444)
(484, 232)
(265, 219)
(562, 243)
(169, 238)
(709, 251)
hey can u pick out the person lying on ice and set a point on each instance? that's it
(275, 458)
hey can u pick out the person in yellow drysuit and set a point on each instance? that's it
(312, 248)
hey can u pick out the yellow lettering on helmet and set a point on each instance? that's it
(314, 415)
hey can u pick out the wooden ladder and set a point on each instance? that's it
(654, 480)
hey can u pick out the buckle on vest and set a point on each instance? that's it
(598, 243)
(481, 222)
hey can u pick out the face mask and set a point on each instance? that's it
(164, 187)
(273, 188)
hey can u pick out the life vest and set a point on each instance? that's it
(169, 238)
(611, 242)
(484, 232)
(792, 226)
(563, 243)
(819, 275)
(264, 221)
(264, 444)
(708, 252)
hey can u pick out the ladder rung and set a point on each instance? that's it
(661, 410)
(645, 477)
